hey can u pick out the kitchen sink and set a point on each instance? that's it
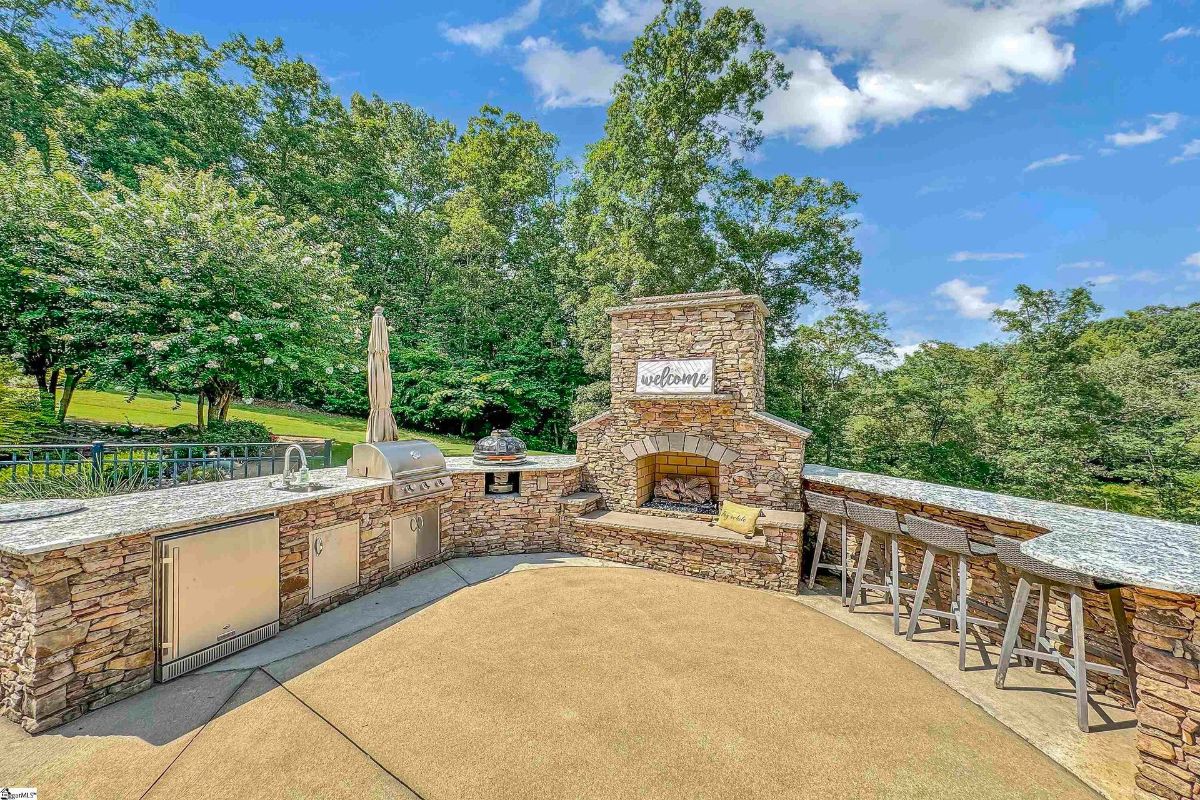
(300, 488)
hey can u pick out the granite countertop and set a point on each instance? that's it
(1122, 548)
(547, 463)
(166, 510)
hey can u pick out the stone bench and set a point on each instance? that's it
(767, 560)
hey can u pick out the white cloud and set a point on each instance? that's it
(1104, 280)
(487, 36)
(1190, 150)
(1146, 276)
(905, 350)
(1052, 161)
(565, 78)
(971, 214)
(1181, 33)
(970, 301)
(1158, 127)
(896, 59)
(621, 20)
(1083, 265)
(969, 255)
(1193, 260)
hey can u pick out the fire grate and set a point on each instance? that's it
(709, 508)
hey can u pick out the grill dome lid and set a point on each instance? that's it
(499, 447)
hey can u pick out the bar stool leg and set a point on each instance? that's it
(962, 613)
(1039, 632)
(1005, 585)
(1012, 630)
(952, 598)
(1117, 605)
(864, 551)
(845, 559)
(922, 587)
(1078, 644)
(812, 573)
(895, 547)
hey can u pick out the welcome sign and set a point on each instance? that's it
(688, 376)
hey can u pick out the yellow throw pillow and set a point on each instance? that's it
(738, 518)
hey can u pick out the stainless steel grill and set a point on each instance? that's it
(415, 467)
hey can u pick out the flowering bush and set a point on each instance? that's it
(192, 288)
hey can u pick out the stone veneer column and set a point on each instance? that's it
(1167, 652)
(730, 328)
(78, 630)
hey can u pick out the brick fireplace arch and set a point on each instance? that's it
(680, 443)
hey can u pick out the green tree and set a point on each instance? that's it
(47, 230)
(820, 375)
(385, 198)
(1046, 433)
(198, 289)
(786, 240)
(921, 419)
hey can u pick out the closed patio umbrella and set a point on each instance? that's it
(381, 425)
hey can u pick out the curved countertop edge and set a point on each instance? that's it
(1123, 548)
(168, 510)
(546, 463)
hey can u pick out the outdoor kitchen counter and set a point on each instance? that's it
(548, 463)
(166, 510)
(1122, 548)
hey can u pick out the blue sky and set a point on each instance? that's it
(1049, 142)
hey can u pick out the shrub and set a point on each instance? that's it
(23, 418)
(74, 484)
(218, 432)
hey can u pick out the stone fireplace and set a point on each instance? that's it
(688, 403)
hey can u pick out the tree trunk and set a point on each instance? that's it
(53, 388)
(73, 376)
(200, 412)
(226, 399)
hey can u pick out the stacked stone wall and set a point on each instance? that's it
(1167, 651)
(481, 524)
(772, 564)
(78, 630)
(373, 511)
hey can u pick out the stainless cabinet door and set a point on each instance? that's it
(332, 559)
(217, 584)
(416, 536)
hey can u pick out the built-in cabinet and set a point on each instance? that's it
(332, 559)
(415, 536)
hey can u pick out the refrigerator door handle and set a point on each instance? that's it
(170, 594)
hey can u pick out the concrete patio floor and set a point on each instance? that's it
(494, 678)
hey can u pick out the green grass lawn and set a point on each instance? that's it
(159, 410)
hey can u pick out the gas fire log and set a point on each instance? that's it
(684, 489)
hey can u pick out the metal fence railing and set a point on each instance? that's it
(157, 464)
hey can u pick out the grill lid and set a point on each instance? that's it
(403, 460)
(499, 447)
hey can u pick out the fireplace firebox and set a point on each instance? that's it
(678, 481)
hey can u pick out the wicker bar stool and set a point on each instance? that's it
(832, 510)
(882, 526)
(953, 543)
(1047, 578)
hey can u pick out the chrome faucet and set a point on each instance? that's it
(287, 462)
